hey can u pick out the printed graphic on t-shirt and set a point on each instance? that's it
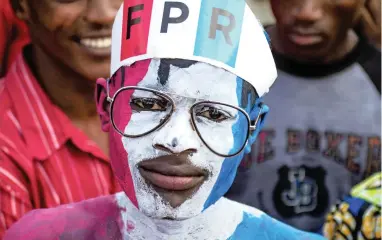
(310, 141)
(299, 189)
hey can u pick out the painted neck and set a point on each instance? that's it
(199, 222)
(210, 222)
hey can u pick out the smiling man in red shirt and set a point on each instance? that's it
(52, 150)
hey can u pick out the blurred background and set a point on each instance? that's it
(262, 10)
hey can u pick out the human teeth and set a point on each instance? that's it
(96, 43)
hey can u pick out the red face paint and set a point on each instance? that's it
(119, 157)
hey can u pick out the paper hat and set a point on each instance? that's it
(223, 33)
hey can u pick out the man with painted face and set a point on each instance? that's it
(323, 135)
(179, 118)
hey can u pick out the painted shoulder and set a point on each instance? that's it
(256, 224)
(96, 218)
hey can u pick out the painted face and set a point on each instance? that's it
(174, 174)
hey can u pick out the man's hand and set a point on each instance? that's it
(370, 21)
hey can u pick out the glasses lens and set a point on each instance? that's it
(137, 112)
(223, 129)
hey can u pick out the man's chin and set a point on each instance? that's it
(172, 204)
(172, 214)
(176, 198)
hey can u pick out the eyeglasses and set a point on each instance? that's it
(146, 110)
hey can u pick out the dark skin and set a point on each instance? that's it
(65, 67)
(370, 21)
(317, 31)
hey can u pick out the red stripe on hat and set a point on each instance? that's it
(135, 27)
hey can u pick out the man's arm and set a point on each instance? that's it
(97, 218)
(36, 225)
(15, 198)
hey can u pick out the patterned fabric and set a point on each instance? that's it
(356, 217)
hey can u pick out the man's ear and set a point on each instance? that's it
(260, 110)
(21, 9)
(102, 104)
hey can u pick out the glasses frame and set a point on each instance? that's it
(251, 127)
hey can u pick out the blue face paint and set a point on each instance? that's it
(267, 37)
(229, 167)
(265, 228)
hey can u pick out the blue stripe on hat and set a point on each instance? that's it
(211, 39)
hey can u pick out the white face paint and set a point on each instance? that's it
(218, 222)
(199, 81)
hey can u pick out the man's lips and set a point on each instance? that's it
(96, 45)
(173, 173)
(305, 40)
(173, 183)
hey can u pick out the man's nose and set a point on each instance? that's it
(177, 136)
(101, 12)
(308, 10)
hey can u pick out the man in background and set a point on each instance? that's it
(323, 133)
(52, 150)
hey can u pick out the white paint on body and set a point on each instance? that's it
(218, 222)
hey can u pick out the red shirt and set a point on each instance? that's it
(14, 36)
(45, 160)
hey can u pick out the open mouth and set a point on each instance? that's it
(95, 46)
(97, 43)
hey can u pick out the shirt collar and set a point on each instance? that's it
(46, 128)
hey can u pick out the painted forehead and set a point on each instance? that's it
(187, 78)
